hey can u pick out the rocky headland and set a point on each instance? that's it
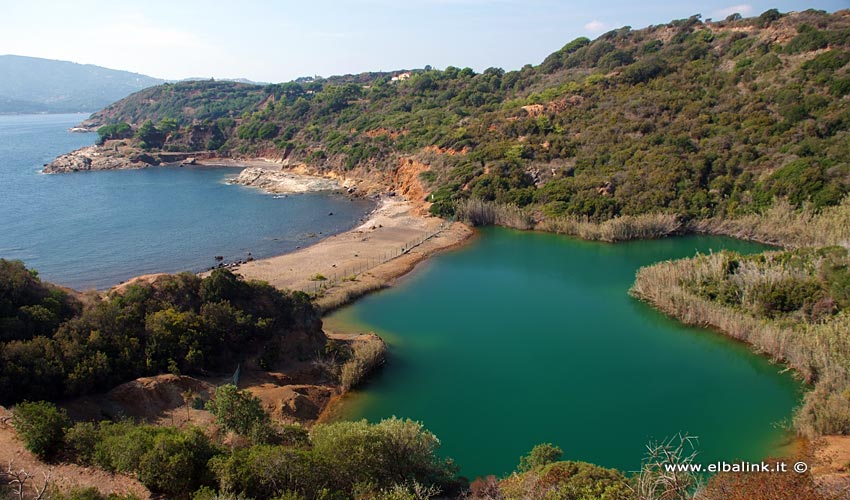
(116, 155)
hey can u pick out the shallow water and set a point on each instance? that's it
(95, 229)
(525, 338)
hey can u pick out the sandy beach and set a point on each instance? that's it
(343, 267)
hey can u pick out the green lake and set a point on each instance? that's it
(522, 338)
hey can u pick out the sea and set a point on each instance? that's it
(93, 230)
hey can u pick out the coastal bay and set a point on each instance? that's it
(94, 230)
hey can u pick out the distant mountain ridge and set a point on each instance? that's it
(36, 85)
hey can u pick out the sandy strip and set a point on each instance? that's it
(343, 267)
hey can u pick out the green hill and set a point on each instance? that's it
(694, 118)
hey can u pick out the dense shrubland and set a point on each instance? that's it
(52, 347)
(393, 459)
(328, 461)
(692, 118)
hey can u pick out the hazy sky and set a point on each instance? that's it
(281, 40)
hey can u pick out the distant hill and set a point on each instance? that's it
(34, 85)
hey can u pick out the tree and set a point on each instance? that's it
(120, 130)
(42, 427)
(236, 410)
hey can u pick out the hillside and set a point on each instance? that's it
(34, 85)
(694, 118)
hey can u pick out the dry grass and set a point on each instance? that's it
(333, 298)
(783, 225)
(780, 225)
(819, 352)
(646, 226)
(485, 213)
(627, 227)
(366, 355)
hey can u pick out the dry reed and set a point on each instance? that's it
(819, 352)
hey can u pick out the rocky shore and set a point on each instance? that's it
(279, 181)
(115, 155)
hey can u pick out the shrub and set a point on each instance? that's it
(236, 410)
(176, 464)
(91, 494)
(540, 455)
(41, 426)
(567, 480)
(393, 451)
(788, 295)
(81, 440)
(263, 472)
(166, 460)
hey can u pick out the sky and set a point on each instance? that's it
(276, 41)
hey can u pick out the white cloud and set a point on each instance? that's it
(596, 26)
(743, 9)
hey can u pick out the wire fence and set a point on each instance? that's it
(321, 282)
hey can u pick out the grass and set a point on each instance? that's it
(366, 355)
(783, 225)
(623, 228)
(646, 226)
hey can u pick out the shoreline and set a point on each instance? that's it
(343, 267)
(395, 238)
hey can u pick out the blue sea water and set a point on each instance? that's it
(96, 229)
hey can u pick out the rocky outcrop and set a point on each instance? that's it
(278, 181)
(115, 155)
(96, 158)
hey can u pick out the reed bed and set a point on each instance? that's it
(780, 225)
(486, 213)
(784, 225)
(819, 352)
(627, 227)
(366, 355)
(623, 228)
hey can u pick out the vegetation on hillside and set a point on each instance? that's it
(52, 347)
(393, 459)
(339, 460)
(692, 118)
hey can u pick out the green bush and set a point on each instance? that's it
(81, 441)
(166, 460)
(236, 410)
(540, 455)
(264, 472)
(176, 464)
(788, 295)
(90, 494)
(41, 426)
(393, 451)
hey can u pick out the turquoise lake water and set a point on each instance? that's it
(525, 338)
(95, 229)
